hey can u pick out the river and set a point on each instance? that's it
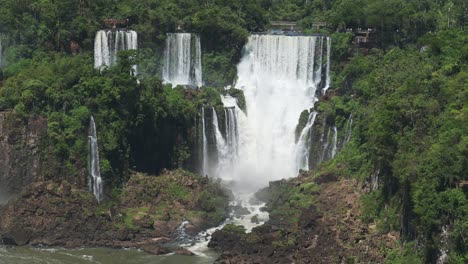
(34, 255)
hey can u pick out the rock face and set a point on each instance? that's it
(329, 230)
(146, 214)
(20, 147)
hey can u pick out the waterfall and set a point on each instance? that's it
(325, 141)
(328, 79)
(221, 147)
(231, 123)
(280, 77)
(303, 144)
(94, 177)
(232, 132)
(205, 145)
(1, 51)
(335, 142)
(108, 43)
(444, 249)
(182, 60)
(349, 129)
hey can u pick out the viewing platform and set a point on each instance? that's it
(112, 22)
(285, 25)
(363, 38)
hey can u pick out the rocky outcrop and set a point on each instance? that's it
(146, 214)
(328, 230)
(21, 146)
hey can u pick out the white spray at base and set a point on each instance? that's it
(94, 172)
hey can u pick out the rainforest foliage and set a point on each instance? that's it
(408, 93)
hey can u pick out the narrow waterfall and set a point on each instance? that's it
(303, 144)
(221, 147)
(1, 51)
(182, 60)
(335, 142)
(109, 42)
(328, 78)
(325, 144)
(232, 130)
(205, 145)
(94, 172)
(349, 129)
(444, 250)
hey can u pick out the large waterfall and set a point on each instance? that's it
(182, 60)
(94, 172)
(281, 77)
(109, 42)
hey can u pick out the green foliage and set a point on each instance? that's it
(234, 229)
(407, 255)
(409, 129)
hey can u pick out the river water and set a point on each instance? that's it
(31, 255)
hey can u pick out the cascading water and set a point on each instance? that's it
(182, 60)
(233, 115)
(303, 144)
(280, 76)
(95, 184)
(1, 51)
(335, 142)
(221, 147)
(444, 250)
(109, 42)
(349, 129)
(328, 78)
(204, 145)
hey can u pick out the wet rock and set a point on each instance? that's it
(239, 210)
(18, 236)
(254, 219)
(145, 222)
(155, 249)
(185, 252)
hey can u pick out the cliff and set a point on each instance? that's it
(21, 162)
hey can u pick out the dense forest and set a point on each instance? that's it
(408, 94)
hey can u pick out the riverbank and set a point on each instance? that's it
(38, 255)
(146, 213)
(312, 220)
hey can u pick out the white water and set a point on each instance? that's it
(335, 142)
(1, 51)
(444, 250)
(182, 60)
(280, 76)
(94, 172)
(205, 145)
(349, 129)
(303, 144)
(221, 146)
(328, 78)
(108, 43)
